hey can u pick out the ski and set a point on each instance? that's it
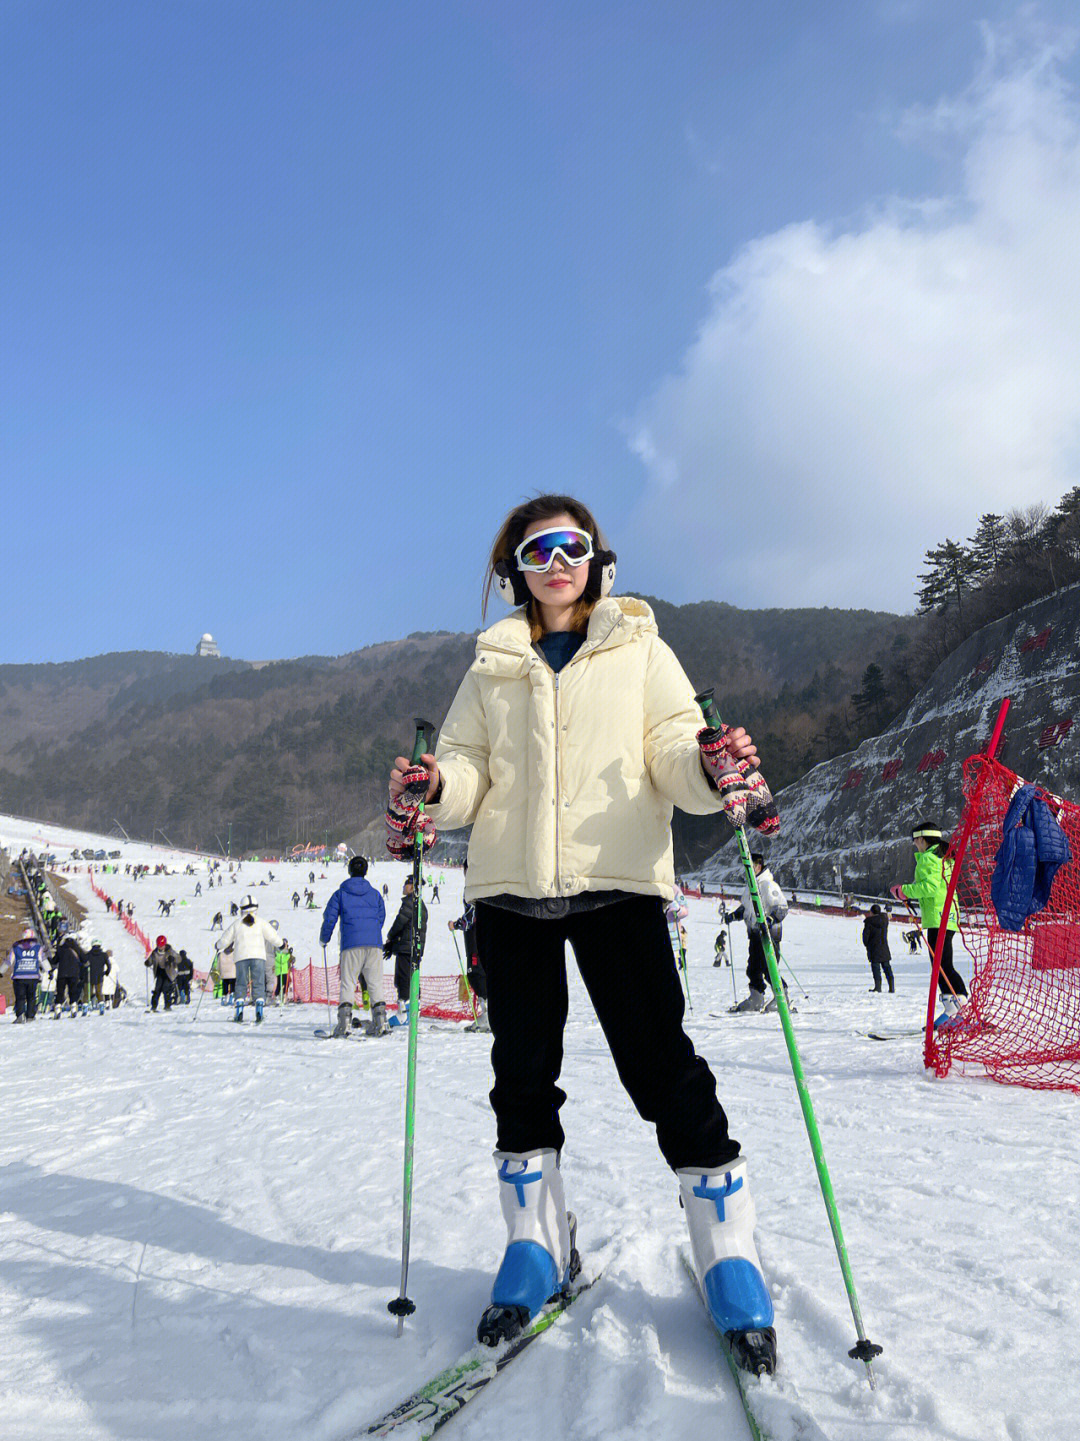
(772, 1411)
(892, 1035)
(441, 1398)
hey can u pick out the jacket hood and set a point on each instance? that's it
(356, 885)
(615, 619)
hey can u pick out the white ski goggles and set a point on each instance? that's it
(537, 551)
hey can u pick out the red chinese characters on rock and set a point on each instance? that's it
(852, 780)
(930, 761)
(1055, 732)
(985, 666)
(891, 769)
(1037, 642)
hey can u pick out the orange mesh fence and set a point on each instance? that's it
(440, 996)
(1022, 1023)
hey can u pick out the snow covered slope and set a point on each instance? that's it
(200, 1223)
(857, 811)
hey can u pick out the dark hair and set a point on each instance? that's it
(758, 856)
(357, 866)
(512, 533)
(875, 910)
(938, 847)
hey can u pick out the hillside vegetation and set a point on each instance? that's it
(298, 750)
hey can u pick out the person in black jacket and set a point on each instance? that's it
(184, 972)
(399, 944)
(67, 964)
(99, 966)
(875, 937)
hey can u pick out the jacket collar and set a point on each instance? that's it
(614, 620)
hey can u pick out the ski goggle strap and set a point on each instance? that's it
(928, 833)
(537, 551)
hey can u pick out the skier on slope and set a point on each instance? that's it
(399, 944)
(474, 971)
(933, 871)
(247, 940)
(360, 911)
(162, 962)
(99, 966)
(67, 963)
(571, 737)
(774, 904)
(26, 961)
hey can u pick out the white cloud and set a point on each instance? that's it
(855, 394)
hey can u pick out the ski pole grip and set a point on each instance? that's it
(425, 734)
(707, 701)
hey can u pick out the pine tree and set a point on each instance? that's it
(950, 573)
(874, 695)
(989, 545)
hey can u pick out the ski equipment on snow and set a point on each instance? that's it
(864, 1350)
(401, 1306)
(438, 1400)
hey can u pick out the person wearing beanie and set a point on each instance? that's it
(360, 911)
(162, 961)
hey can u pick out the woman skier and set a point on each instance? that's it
(933, 870)
(571, 738)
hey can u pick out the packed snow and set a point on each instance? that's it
(200, 1223)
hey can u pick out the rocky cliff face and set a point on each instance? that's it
(856, 812)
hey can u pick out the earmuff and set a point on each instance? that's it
(510, 583)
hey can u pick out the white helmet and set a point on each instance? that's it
(249, 904)
(29, 934)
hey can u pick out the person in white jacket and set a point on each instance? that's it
(572, 736)
(249, 938)
(774, 904)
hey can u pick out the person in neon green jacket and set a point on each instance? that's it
(933, 871)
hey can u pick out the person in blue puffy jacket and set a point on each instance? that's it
(360, 911)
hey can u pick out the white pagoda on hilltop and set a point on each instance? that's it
(208, 646)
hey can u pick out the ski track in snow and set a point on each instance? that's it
(200, 1224)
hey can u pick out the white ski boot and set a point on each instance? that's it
(755, 1001)
(540, 1259)
(720, 1215)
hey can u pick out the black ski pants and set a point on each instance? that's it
(623, 952)
(163, 989)
(952, 982)
(25, 998)
(757, 968)
(67, 987)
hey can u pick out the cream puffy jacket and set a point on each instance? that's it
(249, 943)
(569, 780)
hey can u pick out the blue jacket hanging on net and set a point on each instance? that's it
(1032, 852)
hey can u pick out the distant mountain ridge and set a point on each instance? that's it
(855, 811)
(298, 750)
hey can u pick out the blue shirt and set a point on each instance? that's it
(560, 646)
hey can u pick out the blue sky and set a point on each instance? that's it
(299, 298)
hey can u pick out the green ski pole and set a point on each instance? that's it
(864, 1350)
(401, 1306)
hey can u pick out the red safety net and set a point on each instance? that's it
(441, 997)
(1022, 1023)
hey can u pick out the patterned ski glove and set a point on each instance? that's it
(746, 798)
(404, 819)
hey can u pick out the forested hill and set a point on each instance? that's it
(297, 750)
